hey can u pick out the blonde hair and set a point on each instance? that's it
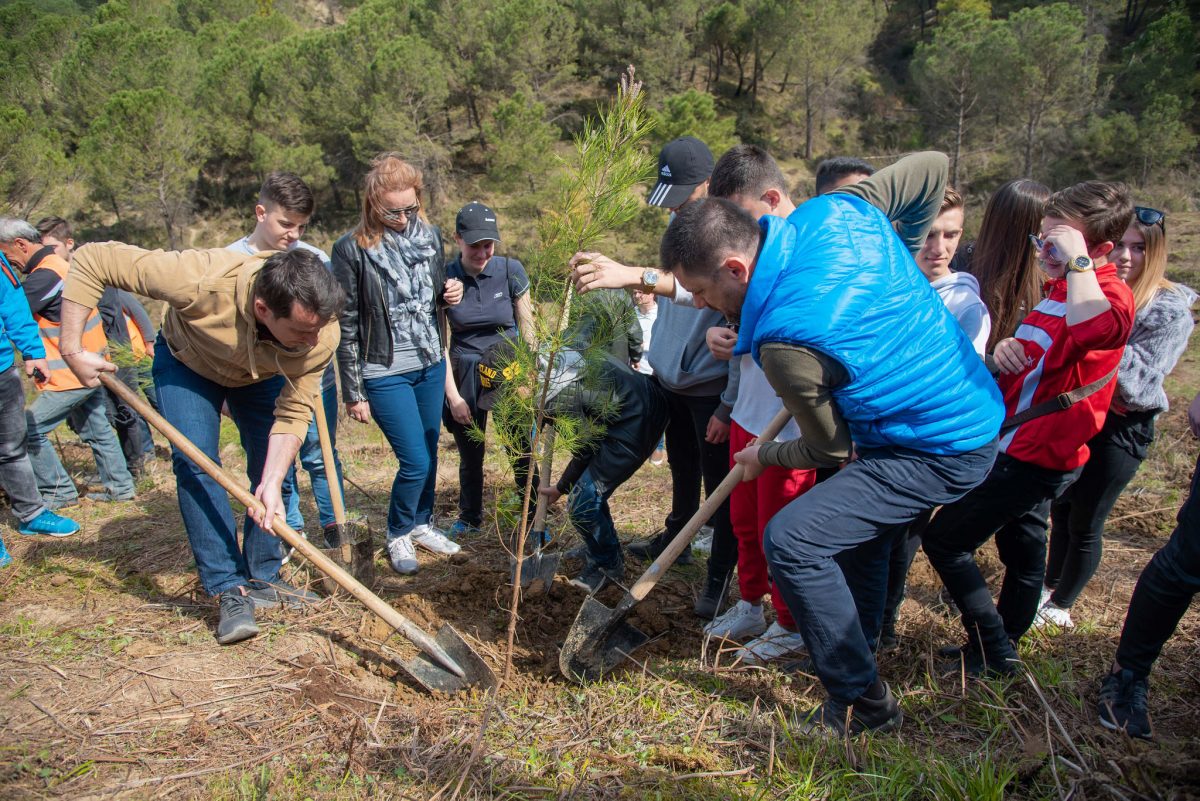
(952, 200)
(1152, 278)
(388, 173)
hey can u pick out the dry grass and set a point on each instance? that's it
(113, 686)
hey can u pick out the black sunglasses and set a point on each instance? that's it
(406, 212)
(1148, 216)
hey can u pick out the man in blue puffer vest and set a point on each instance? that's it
(862, 351)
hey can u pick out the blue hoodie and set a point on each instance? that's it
(16, 323)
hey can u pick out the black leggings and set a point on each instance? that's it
(1077, 518)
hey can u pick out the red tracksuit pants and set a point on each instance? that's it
(751, 506)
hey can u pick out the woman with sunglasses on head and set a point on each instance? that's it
(1160, 335)
(391, 355)
(496, 306)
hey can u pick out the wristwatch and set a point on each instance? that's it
(1081, 264)
(649, 281)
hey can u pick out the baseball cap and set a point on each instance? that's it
(476, 222)
(497, 366)
(683, 164)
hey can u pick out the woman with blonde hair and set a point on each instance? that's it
(391, 355)
(1159, 337)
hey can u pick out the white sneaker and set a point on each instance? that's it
(435, 540)
(741, 620)
(775, 643)
(1051, 615)
(702, 543)
(1044, 598)
(403, 555)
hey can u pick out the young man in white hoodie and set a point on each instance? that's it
(960, 293)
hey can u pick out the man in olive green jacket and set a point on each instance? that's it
(251, 332)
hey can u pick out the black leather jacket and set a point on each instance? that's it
(366, 324)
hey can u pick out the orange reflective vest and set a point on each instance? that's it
(61, 378)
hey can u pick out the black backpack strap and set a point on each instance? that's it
(1064, 401)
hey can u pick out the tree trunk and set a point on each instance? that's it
(958, 138)
(1030, 127)
(809, 113)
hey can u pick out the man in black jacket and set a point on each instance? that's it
(630, 409)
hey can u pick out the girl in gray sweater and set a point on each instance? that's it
(1160, 335)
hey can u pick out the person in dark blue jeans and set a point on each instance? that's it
(632, 410)
(391, 357)
(1162, 596)
(251, 332)
(861, 351)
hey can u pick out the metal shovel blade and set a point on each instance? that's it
(355, 553)
(538, 566)
(432, 676)
(599, 640)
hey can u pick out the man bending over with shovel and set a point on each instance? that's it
(860, 349)
(253, 333)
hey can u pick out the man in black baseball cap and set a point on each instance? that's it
(476, 222)
(684, 165)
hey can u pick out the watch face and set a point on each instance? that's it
(650, 277)
(1082, 263)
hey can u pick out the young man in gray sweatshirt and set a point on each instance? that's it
(697, 386)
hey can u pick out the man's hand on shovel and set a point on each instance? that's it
(281, 455)
(88, 366)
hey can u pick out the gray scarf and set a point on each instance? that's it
(404, 257)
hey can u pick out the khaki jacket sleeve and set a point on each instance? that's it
(296, 404)
(175, 277)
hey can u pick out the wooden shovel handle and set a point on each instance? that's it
(539, 515)
(684, 538)
(331, 474)
(285, 532)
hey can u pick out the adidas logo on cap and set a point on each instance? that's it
(665, 172)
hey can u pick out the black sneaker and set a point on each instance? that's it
(237, 616)
(876, 715)
(333, 536)
(1124, 704)
(594, 578)
(978, 664)
(270, 594)
(649, 550)
(710, 601)
(888, 639)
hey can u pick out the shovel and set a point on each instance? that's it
(539, 565)
(447, 663)
(354, 551)
(600, 639)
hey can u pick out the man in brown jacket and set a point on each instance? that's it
(251, 333)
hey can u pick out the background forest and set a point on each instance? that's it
(148, 120)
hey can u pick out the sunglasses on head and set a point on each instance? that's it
(1148, 216)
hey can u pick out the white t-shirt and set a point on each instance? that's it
(960, 293)
(646, 321)
(757, 402)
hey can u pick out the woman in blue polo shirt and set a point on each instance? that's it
(495, 305)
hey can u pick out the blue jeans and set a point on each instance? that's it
(16, 473)
(592, 518)
(408, 409)
(45, 414)
(312, 461)
(192, 403)
(828, 551)
(1164, 590)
